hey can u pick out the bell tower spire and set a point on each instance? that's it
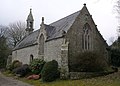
(30, 21)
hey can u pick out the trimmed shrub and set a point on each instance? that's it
(14, 65)
(17, 64)
(89, 62)
(36, 66)
(15, 61)
(50, 71)
(21, 71)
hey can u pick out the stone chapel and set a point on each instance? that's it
(61, 40)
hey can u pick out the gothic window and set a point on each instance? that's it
(86, 37)
(41, 45)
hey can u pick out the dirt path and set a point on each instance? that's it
(8, 81)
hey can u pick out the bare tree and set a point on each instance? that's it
(111, 40)
(117, 8)
(16, 31)
(3, 31)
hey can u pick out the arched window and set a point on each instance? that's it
(41, 45)
(31, 58)
(86, 37)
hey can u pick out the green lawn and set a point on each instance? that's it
(85, 82)
(108, 80)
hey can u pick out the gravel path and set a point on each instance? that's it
(8, 81)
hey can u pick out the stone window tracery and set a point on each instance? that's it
(86, 37)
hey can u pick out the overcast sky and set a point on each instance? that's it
(52, 10)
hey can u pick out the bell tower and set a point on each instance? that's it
(30, 21)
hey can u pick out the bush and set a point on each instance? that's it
(21, 71)
(115, 57)
(9, 67)
(89, 62)
(36, 66)
(50, 71)
(14, 65)
(17, 64)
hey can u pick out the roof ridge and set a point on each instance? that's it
(63, 18)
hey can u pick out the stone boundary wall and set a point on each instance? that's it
(82, 75)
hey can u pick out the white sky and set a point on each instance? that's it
(52, 10)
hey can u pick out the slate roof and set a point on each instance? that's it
(28, 40)
(63, 24)
(54, 30)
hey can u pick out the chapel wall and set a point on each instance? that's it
(23, 55)
(52, 50)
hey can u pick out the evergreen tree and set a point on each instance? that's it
(115, 53)
(4, 51)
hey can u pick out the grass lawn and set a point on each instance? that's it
(101, 81)
(108, 80)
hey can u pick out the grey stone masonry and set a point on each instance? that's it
(64, 73)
